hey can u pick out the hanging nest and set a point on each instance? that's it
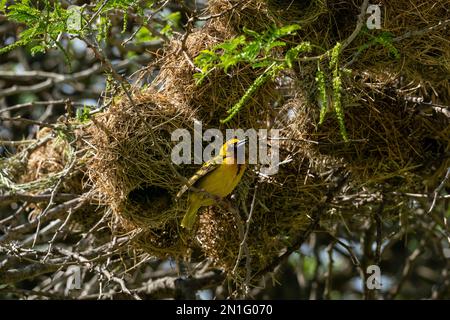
(131, 170)
(49, 158)
(53, 159)
(389, 140)
(219, 92)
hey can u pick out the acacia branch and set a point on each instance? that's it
(12, 197)
(56, 78)
(56, 212)
(27, 272)
(175, 287)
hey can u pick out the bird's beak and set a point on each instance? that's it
(240, 151)
(241, 143)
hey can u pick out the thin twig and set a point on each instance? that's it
(29, 122)
(13, 197)
(359, 24)
(52, 79)
(52, 214)
(222, 13)
(329, 274)
(36, 103)
(438, 189)
(61, 227)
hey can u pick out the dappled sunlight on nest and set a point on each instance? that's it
(394, 145)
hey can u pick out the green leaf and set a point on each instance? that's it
(166, 30)
(23, 13)
(3, 5)
(74, 19)
(12, 46)
(286, 30)
(252, 33)
(251, 51)
(320, 80)
(37, 49)
(262, 64)
(144, 35)
(174, 18)
(293, 53)
(232, 44)
(83, 114)
(257, 53)
(274, 44)
(115, 4)
(309, 267)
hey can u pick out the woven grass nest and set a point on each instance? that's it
(396, 144)
(57, 157)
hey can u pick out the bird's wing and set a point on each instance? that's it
(207, 167)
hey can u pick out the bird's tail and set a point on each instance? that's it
(190, 216)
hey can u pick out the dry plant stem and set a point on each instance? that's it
(422, 32)
(444, 285)
(354, 259)
(98, 224)
(420, 195)
(96, 13)
(366, 260)
(80, 258)
(13, 218)
(105, 64)
(314, 283)
(183, 40)
(359, 25)
(241, 236)
(42, 233)
(7, 143)
(33, 294)
(170, 287)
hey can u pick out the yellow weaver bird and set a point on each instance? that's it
(217, 178)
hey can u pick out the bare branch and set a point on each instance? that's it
(55, 213)
(13, 197)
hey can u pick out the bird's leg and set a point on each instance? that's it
(211, 196)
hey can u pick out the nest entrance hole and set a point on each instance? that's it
(150, 198)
